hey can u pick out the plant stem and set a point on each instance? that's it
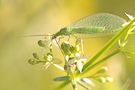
(103, 60)
(74, 84)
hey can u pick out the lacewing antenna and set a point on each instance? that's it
(36, 35)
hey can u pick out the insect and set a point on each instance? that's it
(101, 24)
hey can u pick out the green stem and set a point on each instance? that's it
(103, 59)
(74, 84)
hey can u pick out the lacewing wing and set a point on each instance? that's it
(102, 24)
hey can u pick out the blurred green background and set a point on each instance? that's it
(25, 17)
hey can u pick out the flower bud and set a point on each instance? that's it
(45, 43)
(49, 58)
(35, 56)
(41, 43)
(101, 79)
(33, 61)
(109, 79)
(102, 70)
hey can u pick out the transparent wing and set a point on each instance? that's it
(108, 21)
(111, 24)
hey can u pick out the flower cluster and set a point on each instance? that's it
(75, 59)
(47, 58)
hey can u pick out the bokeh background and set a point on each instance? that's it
(25, 17)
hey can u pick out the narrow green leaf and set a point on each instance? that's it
(63, 78)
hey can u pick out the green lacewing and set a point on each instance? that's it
(100, 24)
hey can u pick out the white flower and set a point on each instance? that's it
(79, 65)
(49, 58)
(77, 55)
(67, 58)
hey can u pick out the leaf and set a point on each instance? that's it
(63, 78)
